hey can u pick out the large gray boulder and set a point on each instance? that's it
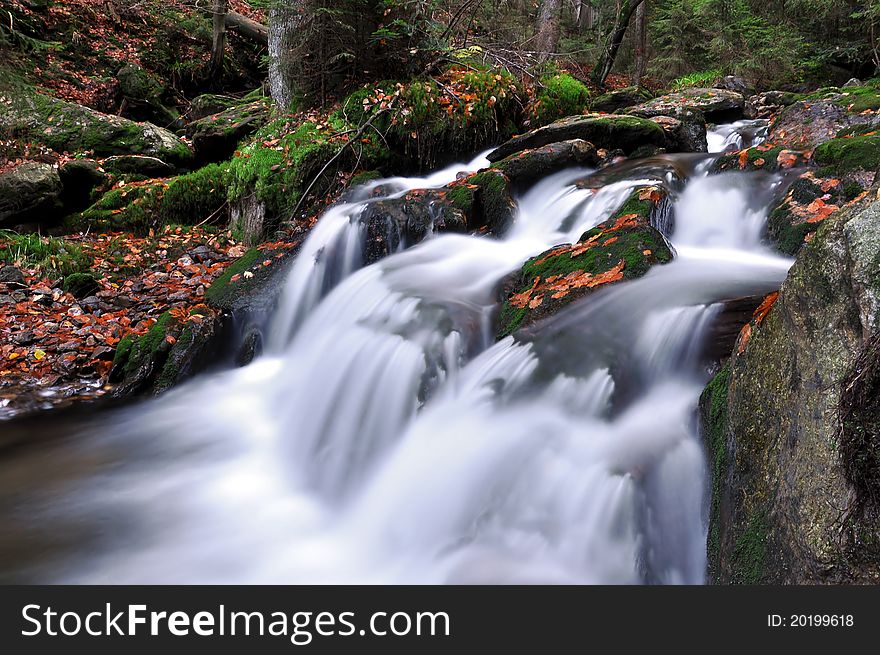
(793, 421)
(30, 192)
(717, 105)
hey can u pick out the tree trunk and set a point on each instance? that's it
(641, 43)
(548, 29)
(615, 39)
(218, 45)
(286, 18)
(249, 29)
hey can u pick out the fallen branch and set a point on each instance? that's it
(247, 28)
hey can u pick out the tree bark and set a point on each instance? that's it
(548, 29)
(615, 39)
(641, 43)
(218, 44)
(286, 19)
(249, 29)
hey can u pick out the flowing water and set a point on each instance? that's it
(386, 437)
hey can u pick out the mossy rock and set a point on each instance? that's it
(846, 155)
(761, 158)
(823, 115)
(612, 131)
(557, 96)
(808, 202)
(789, 503)
(622, 248)
(614, 101)
(80, 285)
(252, 282)
(30, 192)
(131, 208)
(79, 178)
(717, 105)
(142, 95)
(169, 352)
(128, 165)
(526, 168)
(67, 127)
(215, 137)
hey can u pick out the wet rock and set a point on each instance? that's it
(825, 115)
(30, 192)
(791, 422)
(624, 247)
(614, 101)
(528, 167)
(735, 83)
(603, 131)
(216, 137)
(763, 157)
(687, 133)
(716, 105)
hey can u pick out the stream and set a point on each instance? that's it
(384, 436)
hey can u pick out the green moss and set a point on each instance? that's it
(785, 232)
(558, 96)
(364, 177)
(840, 156)
(859, 99)
(194, 197)
(80, 284)
(714, 404)
(220, 291)
(756, 159)
(750, 550)
(146, 347)
(133, 209)
(461, 197)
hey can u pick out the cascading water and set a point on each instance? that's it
(385, 437)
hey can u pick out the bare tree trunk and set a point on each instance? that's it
(586, 16)
(548, 29)
(247, 28)
(641, 43)
(286, 19)
(218, 45)
(615, 39)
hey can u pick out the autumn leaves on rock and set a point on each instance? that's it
(624, 247)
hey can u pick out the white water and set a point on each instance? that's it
(386, 438)
(736, 136)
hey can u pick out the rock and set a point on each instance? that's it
(142, 96)
(215, 137)
(81, 285)
(614, 101)
(528, 167)
(808, 202)
(623, 247)
(853, 81)
(825, 115)
(611, 131)
(209, 103)
(67, 127)
(137, 165)
(769, 103)
(78, 178)
(791, 422)
(11, 275)
(684, 134)
(716, 105)
(735, 83)
(763, 157)
(30, 192)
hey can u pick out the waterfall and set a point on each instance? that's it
(386, 437)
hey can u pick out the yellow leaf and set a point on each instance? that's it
(39, 354)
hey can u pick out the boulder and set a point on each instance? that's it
(625, 246)
(30, 192)
(769, 103)
(791, 422)
(610, 132)
(825, 115)
(763, 157)
(716, 105)
(687, 133)
(528, 167)
(142, 96)
(216, 137)
(137, 165)
(614, 101)
(67, 127)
